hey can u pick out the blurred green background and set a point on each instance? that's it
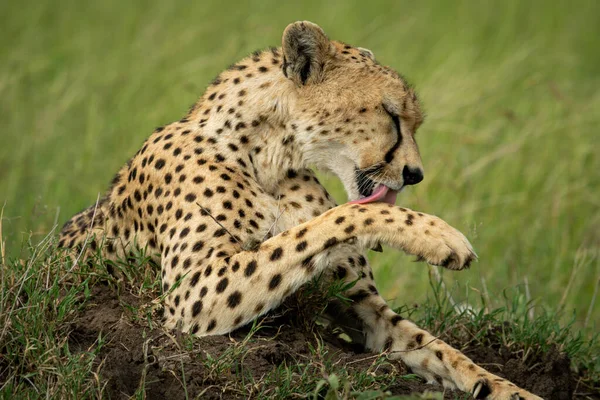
(510, 145)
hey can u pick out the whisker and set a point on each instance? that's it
(365, 177)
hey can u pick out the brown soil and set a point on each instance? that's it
(134, 353)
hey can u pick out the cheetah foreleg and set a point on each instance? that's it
(423, 353)
(261, 279)
(440, 363)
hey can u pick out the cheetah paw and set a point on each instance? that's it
(444, 246)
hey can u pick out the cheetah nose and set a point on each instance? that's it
(412, 176)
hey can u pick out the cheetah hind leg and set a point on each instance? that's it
(95, 231)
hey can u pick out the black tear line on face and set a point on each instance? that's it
(389, 156)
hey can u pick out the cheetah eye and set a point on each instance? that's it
(395, 118)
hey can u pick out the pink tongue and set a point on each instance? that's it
(381, 193)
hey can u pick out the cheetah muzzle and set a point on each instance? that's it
(236, 170)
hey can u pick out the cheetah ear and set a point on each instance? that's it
(306, 50)
(366, 53)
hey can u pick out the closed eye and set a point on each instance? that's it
(389, 156)
(396, 120)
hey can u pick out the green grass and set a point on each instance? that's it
(41, 356)
(509, 145)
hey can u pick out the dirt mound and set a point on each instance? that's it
(550, 377)
(137, 355)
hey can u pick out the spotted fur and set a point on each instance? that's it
(224, 201)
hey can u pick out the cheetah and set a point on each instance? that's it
(236, 170)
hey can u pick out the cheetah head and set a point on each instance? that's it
(355, 117)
